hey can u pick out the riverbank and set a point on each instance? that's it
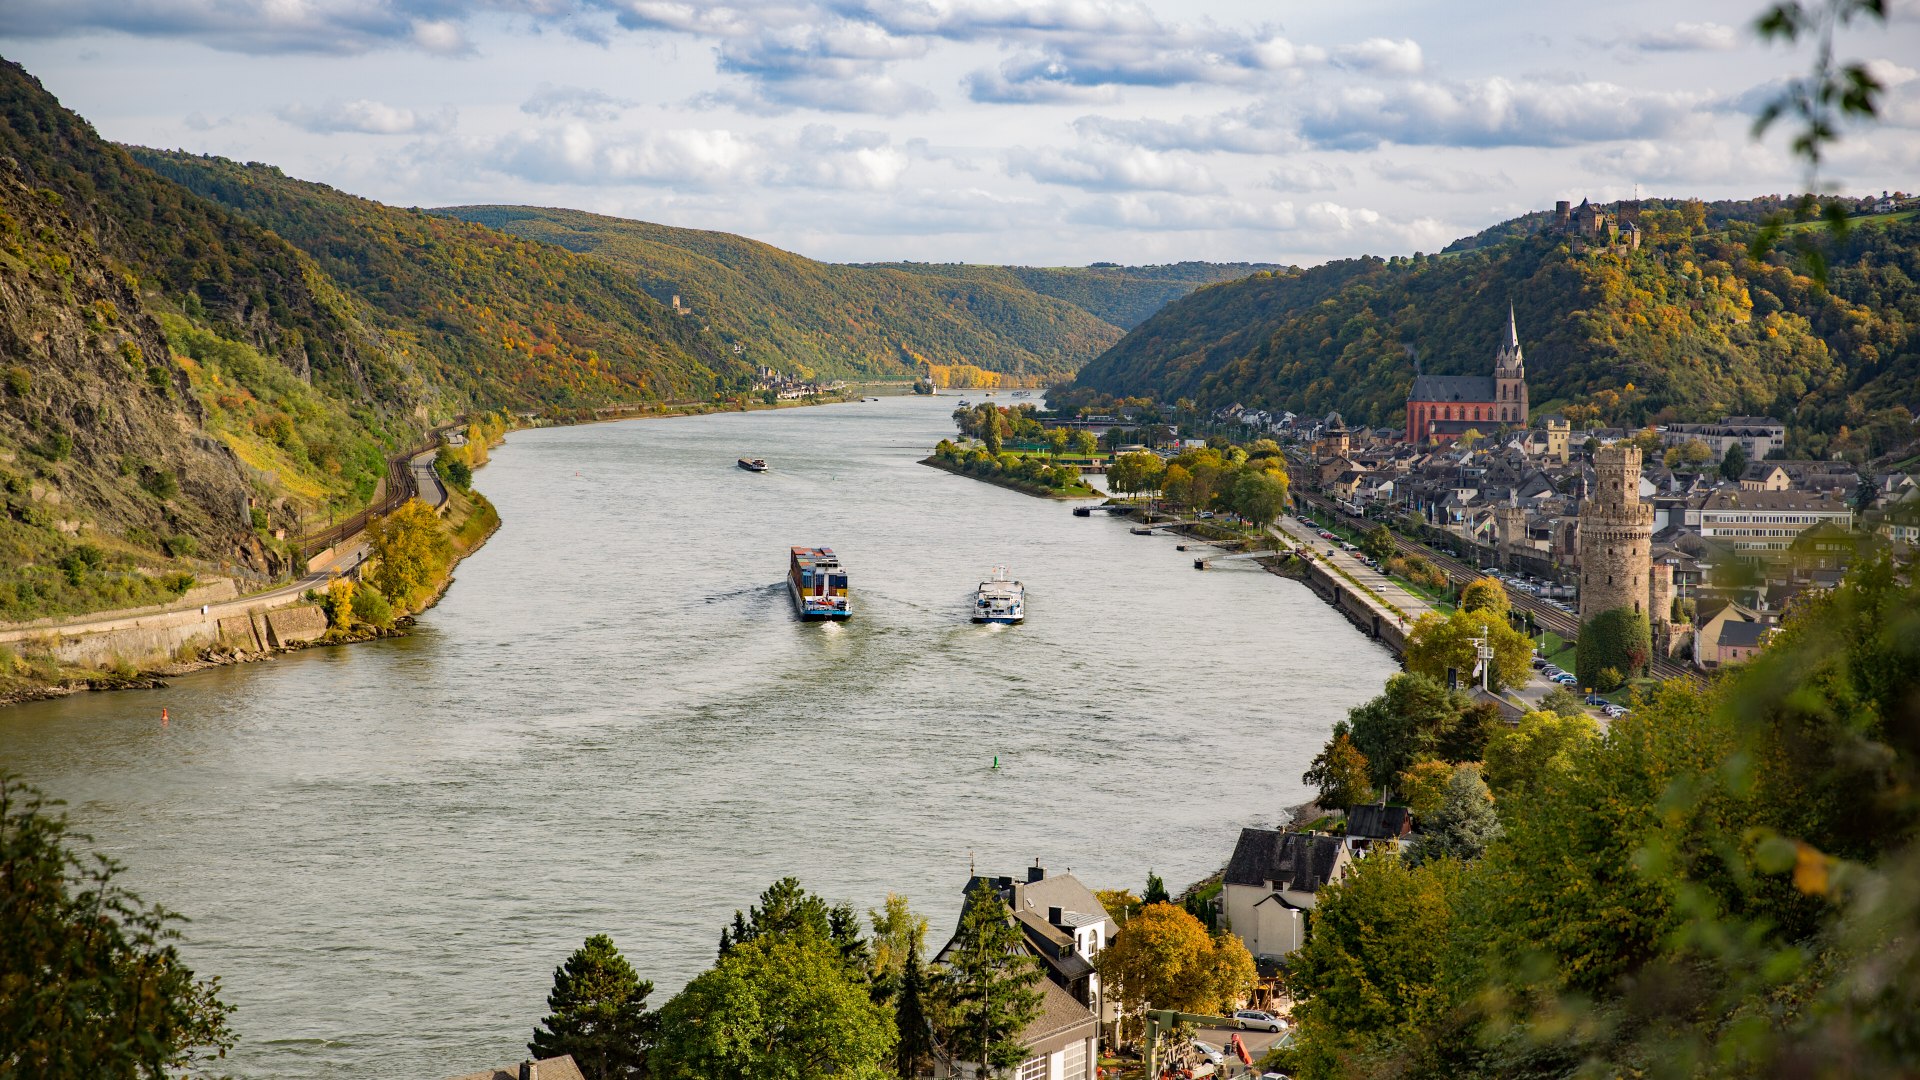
(1014, 483)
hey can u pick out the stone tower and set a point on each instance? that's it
(1510, 378)
(1510, 522)
(1660, 606)
(1616, 536)
(1559, 433)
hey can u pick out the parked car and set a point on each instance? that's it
(1539, 663)
(1212, 1053)
(1257, 1020)
(1565, 679)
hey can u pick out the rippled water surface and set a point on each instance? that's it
(613, 723)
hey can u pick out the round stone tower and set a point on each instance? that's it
(1616, 536)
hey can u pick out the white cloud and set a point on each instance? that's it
(1688, 37)
(1111, 168)
(1491, 112)
(823, 158)
(441, 36)
(1396, 57)
(1308, 176)
(367, 118)
(1441, 180)
(1261, 128)
(692, 159)
(549, 102)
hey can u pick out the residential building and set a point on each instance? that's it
(1757, 522)
(1272, 879)
(1757, 435)
(1064, 926)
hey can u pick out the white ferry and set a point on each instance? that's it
(1000, 599)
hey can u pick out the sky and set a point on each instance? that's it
(1040, 132)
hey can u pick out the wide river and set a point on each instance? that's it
(613, 723)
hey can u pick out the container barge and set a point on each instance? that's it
(818, 584)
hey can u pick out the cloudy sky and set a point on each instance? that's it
(1030, 131)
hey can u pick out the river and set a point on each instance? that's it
(612, 723)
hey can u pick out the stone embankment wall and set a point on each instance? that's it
(1383, 627)
(158, 640)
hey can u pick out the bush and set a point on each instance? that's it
(370, 606)
(1607, 680)
(57, 447)
(338, 603)
(160, 483)
(1617, 639)
(19, 381)
(181, 546)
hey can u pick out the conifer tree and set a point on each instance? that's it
(1156, 890)
(599, 1014)
(915, 1048)
(988, 990)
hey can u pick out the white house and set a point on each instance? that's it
(1272, 880)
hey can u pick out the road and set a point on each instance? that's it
(427, 482)
(1544, 614)
(1257, 1043)
(1388, 589)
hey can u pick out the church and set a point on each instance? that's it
(1441, 408)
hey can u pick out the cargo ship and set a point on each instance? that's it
(818, 583)
(754, 464)
(1000, 599)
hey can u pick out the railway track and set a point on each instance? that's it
(1544, 615)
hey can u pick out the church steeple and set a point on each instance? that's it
(1510, 375)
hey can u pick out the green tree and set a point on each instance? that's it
(1465, 823)
(1339, 773)
(776, 1008)
(1619, 639)
(1735, 462)
(411, 549)
(787, 909)
(1138, 470)
(598, 1014)
(1378, 543)
(988, 990)
(1424, 787)
(1084, 444)
(1058, 440)
(1156, 890)
(915, 1049)
(1541, 746)
(1562, 701)
(91, 984)
(1485, 594)
(1258, 496)
(897, 931)
(1402, 724)
(1466, 739)
(1437, 644)
(369, 606)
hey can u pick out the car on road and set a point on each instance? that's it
(1258, 1020)
(1213, 1054)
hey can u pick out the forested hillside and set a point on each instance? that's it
(793, 313)
(1689, 327)
(1125, 296)
(496, 318)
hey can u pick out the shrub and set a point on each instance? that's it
(1607, 680)
(181, 546)
(57, 447)
(258, 515)
(160, 483)
(370, 606)
(19, 381)
(338, 603)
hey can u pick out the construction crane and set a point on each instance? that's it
(1160, 1020)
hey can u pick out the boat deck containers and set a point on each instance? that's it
(818, 583)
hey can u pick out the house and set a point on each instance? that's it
(1739, 641)
(1064, 925)
(1272, 878)
(559, 1068)
(1756, 522)
(1708, 652)
(1062, 1041)
(1376, 822)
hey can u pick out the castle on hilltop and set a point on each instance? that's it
(1441, 408)
(1588, 225)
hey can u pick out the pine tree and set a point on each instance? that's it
(915, 1048)
(1465, 823)
(1156, 890)
(989, 988)
(599, 1014)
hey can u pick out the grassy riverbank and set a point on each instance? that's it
(1080, 489)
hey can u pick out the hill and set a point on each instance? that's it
(494, 318)
(1125, 296)
(1689, 327)
(795, 314)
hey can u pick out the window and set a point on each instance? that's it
(1074, 1061)
(1032, 1069)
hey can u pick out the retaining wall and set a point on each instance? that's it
(157, 641)
(1383, 627)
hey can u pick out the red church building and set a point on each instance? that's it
(1441, 408)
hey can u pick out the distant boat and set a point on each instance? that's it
(754, 464)
(1000, 599)
(818, 584)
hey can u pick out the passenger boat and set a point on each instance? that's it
(1000, 599)
(754, 464)
(818, 584)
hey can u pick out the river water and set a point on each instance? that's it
(613, 723)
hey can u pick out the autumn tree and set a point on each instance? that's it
(1258, 495)
(1542, 745)
(1438, 644)
(411, 549)
(1339, 773)
(988, 990)
(598, 1013)
(1166, 957)
(1401, 725)
(1424, 787)
(897, 932)
(1485, 594)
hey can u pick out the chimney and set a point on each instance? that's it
(1053, 915)
(529, 1070)
(1036, 872)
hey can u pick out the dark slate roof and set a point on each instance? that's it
(1744, 635)
(560, 1068)
(1299, 861)
(1445, 388)
(1378, 822)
